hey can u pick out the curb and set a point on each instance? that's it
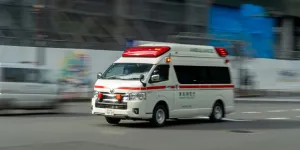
(267, 100)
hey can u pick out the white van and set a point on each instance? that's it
(26, 86)
(159, 81)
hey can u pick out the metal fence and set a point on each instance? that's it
(94, 24)
(104, 24)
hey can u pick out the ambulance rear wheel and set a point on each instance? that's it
(217, 113)
(159, 116)
(113, 121)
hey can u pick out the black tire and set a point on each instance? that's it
(113, 121)
(217, 113)
(159, 116)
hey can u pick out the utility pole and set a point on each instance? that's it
(39, 38)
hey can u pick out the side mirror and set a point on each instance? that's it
(99, 75)
(154, 78)
(142, 77)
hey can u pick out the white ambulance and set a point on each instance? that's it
(159, 81)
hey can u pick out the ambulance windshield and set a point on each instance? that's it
(126, 71)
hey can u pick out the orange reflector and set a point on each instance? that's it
(168, 59)
(119, 97)
(100, 95)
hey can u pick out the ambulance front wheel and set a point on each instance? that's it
(113, 121)
(159, 116)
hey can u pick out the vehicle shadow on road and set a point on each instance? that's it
(204, 124)
(169, 123)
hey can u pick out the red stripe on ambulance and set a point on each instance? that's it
(225, 86)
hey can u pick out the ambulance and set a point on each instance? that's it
(158, 81)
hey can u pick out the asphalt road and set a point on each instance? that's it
(261, 126)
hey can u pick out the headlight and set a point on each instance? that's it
(137, 96)
(96, 93)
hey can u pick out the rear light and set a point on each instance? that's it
(100, 95)
(221, 52)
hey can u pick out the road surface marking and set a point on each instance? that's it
(278, 118)
(251, 112)
(295, 109)
(277, 110)
(298, 116)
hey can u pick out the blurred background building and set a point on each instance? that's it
(268, 28)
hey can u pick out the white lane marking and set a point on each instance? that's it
(237, 120)
(298, 116)
(278, 118)
(251, 112)
(295, 109)
(277, 110)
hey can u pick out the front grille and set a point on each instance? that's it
(112, 96)
(112, 106)
(109, 101)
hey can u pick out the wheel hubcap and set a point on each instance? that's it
(218, 112)
(160, 116)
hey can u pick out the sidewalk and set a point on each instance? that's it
(270, 99)
(266, 93)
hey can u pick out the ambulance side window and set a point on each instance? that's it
(191, 74)
(162, 71)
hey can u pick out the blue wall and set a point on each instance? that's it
(239, 24)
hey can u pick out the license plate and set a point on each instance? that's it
(109, 112)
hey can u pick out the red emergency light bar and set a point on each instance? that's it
(221, 52)
(146, 51)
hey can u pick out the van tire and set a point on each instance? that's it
(113, 121)
(217, 112)
(159, 116)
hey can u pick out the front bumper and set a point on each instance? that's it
(132, 110)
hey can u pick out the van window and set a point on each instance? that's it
(29, 75)
(219, 75)
(126, 71)
(13, 75)
(162, 71)
(47, 76)
(202, 75)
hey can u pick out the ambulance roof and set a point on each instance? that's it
(155, 51)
